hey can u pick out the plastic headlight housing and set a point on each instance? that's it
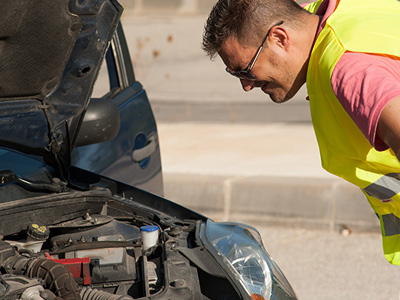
(240, 249)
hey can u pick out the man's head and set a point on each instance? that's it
(263, 42)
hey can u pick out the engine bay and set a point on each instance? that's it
(90, 245)
(98, 251)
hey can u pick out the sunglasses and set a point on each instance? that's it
(246, 74)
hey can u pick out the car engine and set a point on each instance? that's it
(108, 252)
(95, 250)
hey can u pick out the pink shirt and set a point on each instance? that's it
(363, 83)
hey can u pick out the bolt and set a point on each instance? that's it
(178, 283)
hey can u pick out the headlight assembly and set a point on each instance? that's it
(239, 249)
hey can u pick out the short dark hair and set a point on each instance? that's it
(246, 20)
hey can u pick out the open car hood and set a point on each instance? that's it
(50, 55)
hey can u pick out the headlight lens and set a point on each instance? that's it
(239, 246)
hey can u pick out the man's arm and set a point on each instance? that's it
(389, 125)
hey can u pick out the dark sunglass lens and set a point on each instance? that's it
(239, 74)
(244, 75)
(248, 75)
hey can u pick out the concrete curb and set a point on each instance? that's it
(175, 111)
(305, 202)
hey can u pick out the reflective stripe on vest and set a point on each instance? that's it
(391, 224)
(385, 187)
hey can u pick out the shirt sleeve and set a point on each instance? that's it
(364, 84)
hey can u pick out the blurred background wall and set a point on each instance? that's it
(171, 6)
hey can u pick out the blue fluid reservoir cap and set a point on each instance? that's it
(149, 228)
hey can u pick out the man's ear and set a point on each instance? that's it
(279, 36)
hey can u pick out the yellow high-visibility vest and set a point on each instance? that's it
(367, 26)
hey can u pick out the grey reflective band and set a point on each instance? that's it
(391, 224)
(385, 187)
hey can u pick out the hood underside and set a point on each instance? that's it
(50, 53)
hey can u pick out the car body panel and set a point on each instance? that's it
(51, 54)
(133, 156)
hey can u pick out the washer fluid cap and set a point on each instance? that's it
(149, 228)
(38, 232)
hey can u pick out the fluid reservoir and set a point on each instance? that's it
(36, 235)
(149, 236)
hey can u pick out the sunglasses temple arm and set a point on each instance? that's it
(255, 59)
(262, 45)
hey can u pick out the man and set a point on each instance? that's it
(348, 52)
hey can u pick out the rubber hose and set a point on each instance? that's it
(93, 294)
(57, 278)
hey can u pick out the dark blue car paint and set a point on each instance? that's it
(137, 128)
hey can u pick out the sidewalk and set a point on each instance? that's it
(252, 173)
(228, 154)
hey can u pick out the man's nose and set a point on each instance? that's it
(247, 85)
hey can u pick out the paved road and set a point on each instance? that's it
(323, 265)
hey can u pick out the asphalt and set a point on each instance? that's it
(231, 155)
